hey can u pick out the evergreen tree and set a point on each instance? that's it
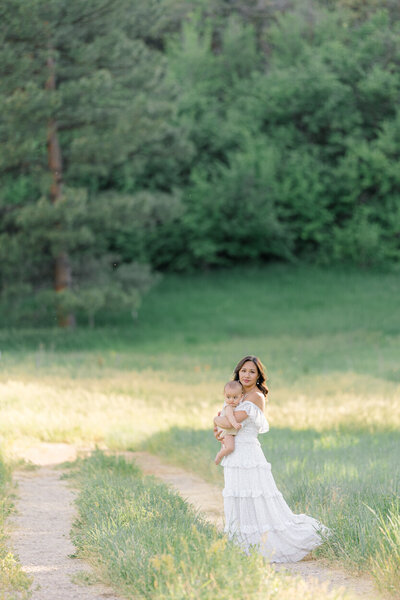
(82, 95)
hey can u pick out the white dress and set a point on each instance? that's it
(255, 511)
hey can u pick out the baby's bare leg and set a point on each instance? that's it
(227, 448)
(230, 415)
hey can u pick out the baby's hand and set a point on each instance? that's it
(237, 425)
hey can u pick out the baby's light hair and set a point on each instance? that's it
(233, 384)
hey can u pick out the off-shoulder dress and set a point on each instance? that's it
(256, 513)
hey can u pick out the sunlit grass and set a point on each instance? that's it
(123, 408)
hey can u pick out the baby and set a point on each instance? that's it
(233, 393)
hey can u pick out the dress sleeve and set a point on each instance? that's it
(256, 414)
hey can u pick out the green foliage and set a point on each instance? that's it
(230, 213)
(92, 231)
(295, 152)
(110, 100)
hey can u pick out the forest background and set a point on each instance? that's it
(191, 135)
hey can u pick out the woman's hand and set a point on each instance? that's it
(218, 434)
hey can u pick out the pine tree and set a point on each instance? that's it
(82, 95)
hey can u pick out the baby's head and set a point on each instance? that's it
(233, 392)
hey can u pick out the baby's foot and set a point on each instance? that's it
(237, 425)
(217, 459)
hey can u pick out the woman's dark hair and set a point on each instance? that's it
(262, 377)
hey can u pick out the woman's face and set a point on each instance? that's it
(248, 374)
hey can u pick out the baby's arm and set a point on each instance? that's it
(231, 417)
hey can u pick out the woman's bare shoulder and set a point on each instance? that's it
(257, 398)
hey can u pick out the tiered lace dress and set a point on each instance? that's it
(255, 511)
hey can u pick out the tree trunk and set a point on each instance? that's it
(62, 267)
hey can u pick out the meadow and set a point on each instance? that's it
(331, 342)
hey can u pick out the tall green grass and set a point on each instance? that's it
(14, 583)
(386, 563)
(149, 543)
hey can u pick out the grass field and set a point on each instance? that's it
(331, 343)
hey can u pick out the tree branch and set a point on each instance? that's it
(102, 10)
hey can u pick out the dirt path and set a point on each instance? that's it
(41, 527)
(208, 499)
(45, 513)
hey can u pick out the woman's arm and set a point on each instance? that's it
(240, 415)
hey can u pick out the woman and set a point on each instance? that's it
(255, 511)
